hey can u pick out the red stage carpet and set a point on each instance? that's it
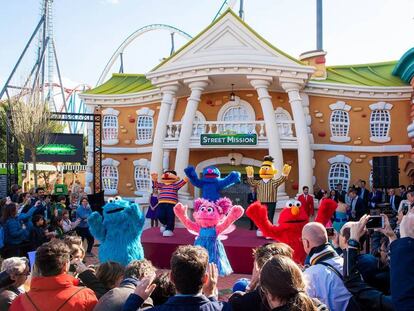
(238, 245)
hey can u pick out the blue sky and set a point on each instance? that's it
(87, 32)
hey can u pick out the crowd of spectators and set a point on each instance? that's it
(354, 268)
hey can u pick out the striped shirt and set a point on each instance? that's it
(168, 193)
(266, 191)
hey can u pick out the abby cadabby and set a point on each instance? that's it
(212, 220)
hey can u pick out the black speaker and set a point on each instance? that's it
(385, 172)
(96, 201)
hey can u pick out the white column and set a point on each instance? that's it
(304, 146)
(166, 157)
(183, 148)
(168, 93)
(89, 162)
(261, 85)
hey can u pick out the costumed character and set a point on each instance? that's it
(167, 198)
(211, 221)
(266, 188)
(291, 221)
(211, 183)
(326, 211)
(119, 231)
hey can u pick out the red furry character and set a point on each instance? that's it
(291, 221)
(326, 211)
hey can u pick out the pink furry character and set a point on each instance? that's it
(211, 219)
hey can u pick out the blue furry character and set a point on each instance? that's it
(211, 183)
(119, 231)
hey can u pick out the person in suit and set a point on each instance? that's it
(375, 197)
(363, 192)
(403, 192)
(357, 205)
(307, 201)
(340, 192)
(393, 199)
(251, 198)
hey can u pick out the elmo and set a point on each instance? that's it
(291, 221)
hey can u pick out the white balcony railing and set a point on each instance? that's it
(225, 127)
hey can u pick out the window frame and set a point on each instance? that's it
(343, 108)
(340, 161)
(148, 114)
(113, 166)
(110, 113)
(142, 164)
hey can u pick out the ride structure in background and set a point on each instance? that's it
(41, 78)
(119, 52)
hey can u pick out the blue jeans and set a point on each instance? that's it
(166, 216)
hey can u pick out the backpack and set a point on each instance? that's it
(353, 304)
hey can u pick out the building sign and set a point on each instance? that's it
(228, 139)
(59, 148)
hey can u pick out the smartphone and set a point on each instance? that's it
(405, 208)
(330, 231)
(376, 222)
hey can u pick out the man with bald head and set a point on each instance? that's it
(324, 276)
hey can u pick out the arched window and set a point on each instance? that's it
(110, 126)
(198, 126)
(145, 125)
(285, 128)
(339, 122)
(237, 113)
(110, 176)
(339, 172)
(380, 122)
(142, 176)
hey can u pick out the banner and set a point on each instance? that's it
(228, 139)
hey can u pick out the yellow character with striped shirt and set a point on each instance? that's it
(267, 185)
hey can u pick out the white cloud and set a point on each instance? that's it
(112, 1)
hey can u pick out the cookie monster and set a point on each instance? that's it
(119, 231)
(211, 183)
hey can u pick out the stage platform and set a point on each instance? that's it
(238, 245)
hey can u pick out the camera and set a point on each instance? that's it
(330, 231)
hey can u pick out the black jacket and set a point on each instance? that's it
(248, 301)
(402, 273)
(368, 298)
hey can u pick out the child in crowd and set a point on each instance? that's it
(39, 233)
(67, 224)
(74, 204)
(152, 209)
(60, 205)
(56, 226)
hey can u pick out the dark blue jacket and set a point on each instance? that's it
(402, 274)
(180, 303)
(14, 234)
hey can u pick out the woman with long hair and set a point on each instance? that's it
(283, 286)
(16, 233)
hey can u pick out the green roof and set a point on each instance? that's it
(376, 74)
(122, 83)
(405, 66)
(228, 11)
